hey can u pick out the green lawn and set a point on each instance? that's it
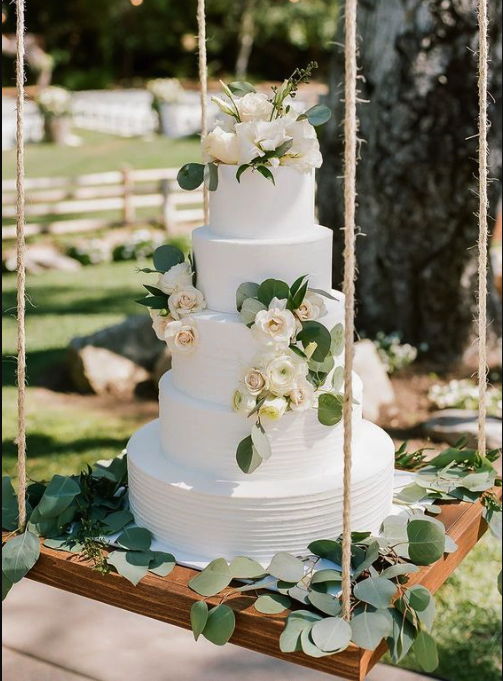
(65, 437)
(100, 153)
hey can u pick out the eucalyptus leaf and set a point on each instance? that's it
(65, 543)
(129, 565)
(412, 494)
(370, 628)
(247, 457)
(318, 115)
(426, 652)
(377, 592)
(211, 177)
(191, 176)
(326, 548)
(338, 379)
(199, 618)
(6, 586)
(287, 568)
(338, 341)
(246, 291)
(250, 310)
(299, 593)
(326, 576)
(241, 89)
(402, 636)
(10, 509)
(332, 635)
(314, 332)
(426, 542)
(418, 598)
(115, 522)
(211, 581)
(246, 568)
(19, 556)
(166, 257)
(220, 626)
(272, 604)
(400, 570)
(326, 603)
(135, 539)
(161, 564)
(290, 641)
(261, 442)
(271, 289)
(330, 409)
(58, 496)
(308, 646)
(43, 528)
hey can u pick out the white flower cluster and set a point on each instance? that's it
(178, 328)
(54, 101)
(395, 354)
(249, 132)
(465, 395)
(278, 380)
(166, 90)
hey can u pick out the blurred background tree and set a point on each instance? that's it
(96, 44)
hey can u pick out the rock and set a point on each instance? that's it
(162, 365)
(40, 258)
(99, 371)
(379, 398)
(133, 339)
(450, 425)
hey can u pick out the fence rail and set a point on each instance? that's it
(53, 200)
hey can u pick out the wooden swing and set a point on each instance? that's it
(170, 599)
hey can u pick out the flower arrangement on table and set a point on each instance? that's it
(175, 299)
(54, 102)
(259, 133)
(296, 371)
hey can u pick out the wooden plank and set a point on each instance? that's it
(88, 180)
(170, 599)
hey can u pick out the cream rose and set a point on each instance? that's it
(182, 336)
(284, 372)
(312, 308)
(221, 146)
(276, 326)
(303, 396)
(177, 278)
(186, 302)
(255, 139)
(255, 382)
(274, 408)
(243, 403)
(305, 153)
(160, 323)
(254, 107)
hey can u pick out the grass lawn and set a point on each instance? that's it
(100, 153)
(67, 432)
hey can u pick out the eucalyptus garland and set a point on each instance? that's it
(89, 515)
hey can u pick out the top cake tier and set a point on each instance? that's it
(255, 208)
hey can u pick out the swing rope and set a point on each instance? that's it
(483, 220)
(350, 198)
(21, 264)
(203, 77)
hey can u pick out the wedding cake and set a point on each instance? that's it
(247, 456)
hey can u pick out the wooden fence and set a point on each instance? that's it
(53, 201)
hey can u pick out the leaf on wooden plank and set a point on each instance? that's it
(58, 496)
(199, 618)
(376, 591)
(272, 604)
(220, 626)
(332, 635)
(286, 568)
(19, 556)
(211, 581)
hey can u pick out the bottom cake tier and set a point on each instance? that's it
(199, 520)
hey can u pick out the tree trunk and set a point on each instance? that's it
(246, 38)
(418, 173)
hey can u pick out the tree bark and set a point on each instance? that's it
(246, 38)
(418, 173)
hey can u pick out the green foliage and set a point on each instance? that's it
(220, 625)
(199, 618)
(376, 591)
(19, 555)
(332, 635)
(135, 539)
(247, 457)
(58, 496)
(330, 409)
(272, 604)
(318, 115)
(191, 176)
(314, 332)
(272, 289)
(10, 509)
(167, 257)
(216, 577)
(286, 568)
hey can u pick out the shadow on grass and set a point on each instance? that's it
(65, 301)
(45, 369)
(40, 444)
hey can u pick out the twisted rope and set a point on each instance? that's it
(350, 161)
(203, 77)
(483, 219)
(21, 267)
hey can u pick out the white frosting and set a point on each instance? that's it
(257, 209)
(226, 348)
(203, 437)
(199, 518)
(224, 264)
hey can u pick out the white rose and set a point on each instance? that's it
(221, 146)
(178, 277)
(284, 372)
(274, 408)
(255, 382)
(160, 323)
(186, 302)
(254, 107)
(243, 403)
(303, 396)
(276, 326)
(305, 153)
(258, 137)
(182, 336)
(312, 308)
